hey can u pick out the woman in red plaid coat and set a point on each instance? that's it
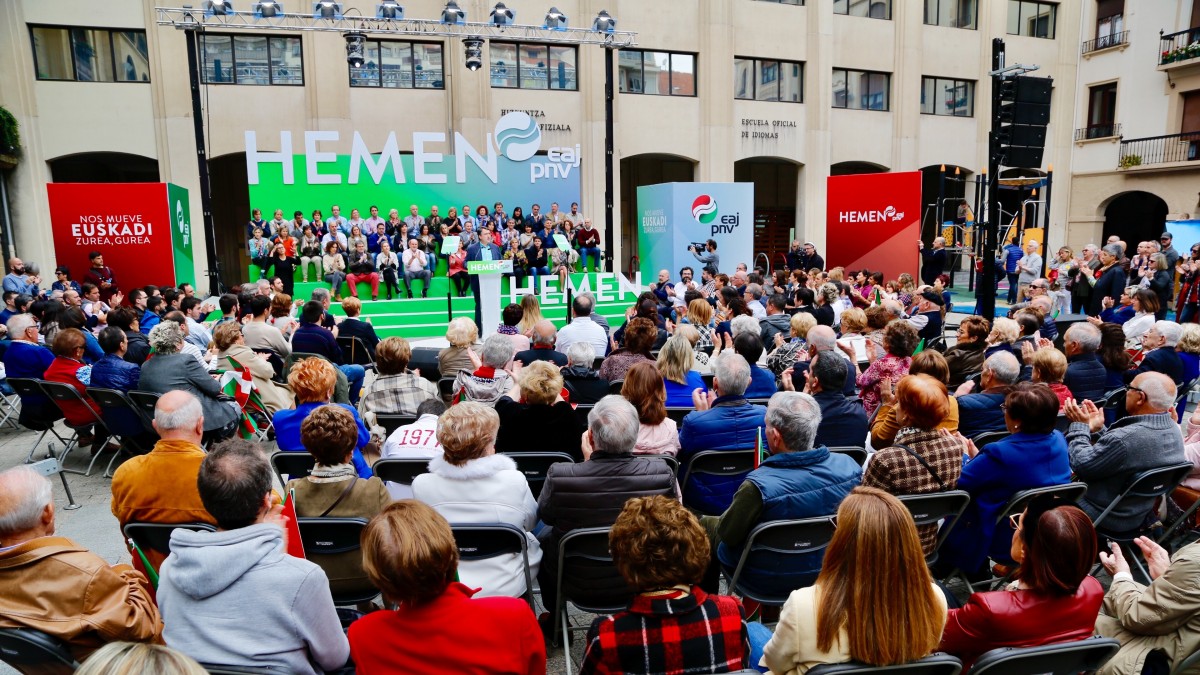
(671, 626)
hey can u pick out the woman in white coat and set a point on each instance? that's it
(470, 483)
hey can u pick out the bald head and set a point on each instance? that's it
(544, 333)
(179, 416)
(821, 339)
(26, 506)
(1150, 393)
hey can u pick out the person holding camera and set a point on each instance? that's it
(708, 257)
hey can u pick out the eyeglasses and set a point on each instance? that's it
(1015, 520)
(1137, 389)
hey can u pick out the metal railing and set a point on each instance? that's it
(1105, 41)
(1098, 131)
(1160, 150)
(1181, 46)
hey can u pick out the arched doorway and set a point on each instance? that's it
(648, 169)
(1135, 216)
(103, 167)
(776, 198)
(231, 212)
(851, 168)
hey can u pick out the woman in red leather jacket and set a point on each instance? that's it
(1053, 599)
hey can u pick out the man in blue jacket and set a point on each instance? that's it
(1086, 375)
(843, 423)
(724, 420)
(798, 480)
(981, 412)
(1158, 344)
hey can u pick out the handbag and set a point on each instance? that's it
(941, 483)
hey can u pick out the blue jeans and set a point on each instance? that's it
(535, 272)
(355, 374)
(593, 251)
(759, 635)
(1186, 314)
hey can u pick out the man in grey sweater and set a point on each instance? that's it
(1146, 438)
(235, 597)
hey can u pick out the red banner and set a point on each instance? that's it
(873, 221)
(128, 223)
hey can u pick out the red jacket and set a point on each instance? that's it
(63, 370)
(1020, 619)
(452, 634)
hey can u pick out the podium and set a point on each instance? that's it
(489, 273)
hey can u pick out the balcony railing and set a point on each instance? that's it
(1160, 150)
(1181, 46)
(1098, 131)
(1106, 41)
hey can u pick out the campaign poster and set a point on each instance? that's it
(873, 222)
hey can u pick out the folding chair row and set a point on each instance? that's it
(1064, 658)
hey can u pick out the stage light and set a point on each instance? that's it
(501, 15)
(266, 9)
(327, 9)
(218, 8)
(555, 20)
(604, 22)
(474, 47)
(356, 45)
(452, 15)
(389, 9)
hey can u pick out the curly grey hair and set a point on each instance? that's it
(166, 338)
(829, 293)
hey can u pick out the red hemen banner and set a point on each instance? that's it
(141, 229)
(873, 222)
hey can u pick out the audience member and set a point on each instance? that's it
(723, 421)
(657, 434)
(313, 338)
(1146, 438)
(798, 480)
(580, 379)
(312, 381)
(1113, 356)
(351, 326)
(1048, 366)
(510, 318)
(395, 389)
(843, 422)
(462, 336)
(1085, 375)
(488, 380)
(172, 370)
(672, 625)
(1033, 456)
(282, 608)
(675, 363)
(640, 335)
(113, 371)
(786, 352)
(965, 358)
(139, 658)
(471, 483)
(234, 355)
(591, 494)
(409, 553)
(982, 411)
(885, 426)
(923, 458)
(762, 381)
(139, 346)
(899, 341)
(26, 358)
(260, 333)
(777, 321)
(415, 441)
(1159, 354)
(534, 412)
(582, 328)
(542, 346)
(68, 368)
(1053, 599)
(874, 601)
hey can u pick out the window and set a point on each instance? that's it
(1032, 19)
(872, 9)
(1110, 22)
(768, 80)
(251, 59)
(951, 13)
(90, 54)
(944, 96)
(786, 2)
(660, 73)
(861, 90)
(1102, 110)
(399, 65)
(533, 66)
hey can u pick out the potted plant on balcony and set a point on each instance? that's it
(1129, 161)
(10, 140)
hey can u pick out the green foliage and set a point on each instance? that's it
(10, 135)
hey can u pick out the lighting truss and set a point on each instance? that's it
(188, 18)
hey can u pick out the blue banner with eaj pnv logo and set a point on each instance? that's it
(675, 216)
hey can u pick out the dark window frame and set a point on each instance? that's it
(71, 41)
(233, 59)
(1053, 32)
(670, 70)
(973, 86)
(974, 14)
(754, 64)
(887, 104)
(870, 4)
(1106, 93)
(412, 71)
(518, 46)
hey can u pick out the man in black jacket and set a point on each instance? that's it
(139, 345)
(579, 378)
(1086, 376)
(842, 423)
(1111, 282)
(1158, 344)
(933, 260)
(810, 259)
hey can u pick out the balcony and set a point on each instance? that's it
(1179, 50)
(1098, 131)
(1105, 42)
(1175, 150)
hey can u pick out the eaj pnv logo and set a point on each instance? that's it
(704, 209)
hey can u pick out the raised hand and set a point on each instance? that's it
(1114, 562)
(786, 376)
(1157, 557)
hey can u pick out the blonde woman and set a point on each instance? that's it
(139, 658)
(531, 314)
(1004, 333)
(700, 316)
(692, 335)
(787, 352)
(675, 362)
(462, 336)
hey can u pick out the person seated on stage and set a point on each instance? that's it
(53, 585)
(488, 380)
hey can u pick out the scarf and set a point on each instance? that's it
(335, 473)
(508, 330)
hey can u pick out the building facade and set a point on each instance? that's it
(779, 93)
(1136, 162)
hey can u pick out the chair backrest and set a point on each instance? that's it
(26, 387)
(145, 401)
(213, 669)
(582, 411)
(708, 378)
(1069, 492)
(401, 471)
(678, 413)
(446, 387)
(671, 461)
(121, 415)
(776, 545)
(989, 437)
(534, 466)
(292, 465)
(587, 547)
(928, 509)
(1062, 423)
(272, 358)
(758, 401)
(20, 647)
(391, 422)
(597, 362)
(934, 664)
(1066, 658)
(157, 536)
(355, 350)
(717, 463)
(326, 541)
(856, 453)
(937, 344)
(1149, 484)
(480, 541)
(615, 386)
(1114, 398)
(62, 394)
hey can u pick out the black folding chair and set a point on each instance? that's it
(10, 409)
(932, 508)
(38, 413)
(678, 413)
(671, 461)
(989, 437)
(446, 387)
(535, 465)
(937, 344)
(483, 541)
(274, 359)
(1064, 658)
(615, 386)
(597, 362)
(157, 536)
(782, 549)
(934, 664)
(64, 394)
(328, 540)
(589, 547)
(214, 669)
(758, 401)
(582, 411)
(145, 401)
(355, 351)
(716, 463)
(708, 378)
(122, 416)
(1146, 486)
(32, 651)
(402, 471)
(391, 422)
(292, 465)
(858, 454)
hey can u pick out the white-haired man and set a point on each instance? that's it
(1159, 354)
(984, 411)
